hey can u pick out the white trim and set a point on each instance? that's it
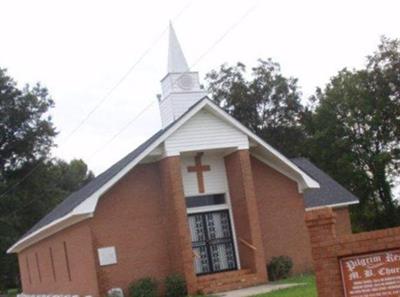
(89, 205)
(308, 181)
(55, 226)
(226, 206)
(336, 205)
(208, 208)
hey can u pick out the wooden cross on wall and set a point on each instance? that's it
(199, 169)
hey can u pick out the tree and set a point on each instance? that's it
(355, 133)
(26, 129)
(268, 103)
(31, 182)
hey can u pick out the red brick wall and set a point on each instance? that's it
(178, 233)
(328, 247)
(281, 213)
(42, 279)
(343, 223)
(131, 217)
(245, 214)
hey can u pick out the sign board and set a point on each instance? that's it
(372, 275)
(107, 256)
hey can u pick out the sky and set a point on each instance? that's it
(82, 50)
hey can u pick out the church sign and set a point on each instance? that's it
(372, 275)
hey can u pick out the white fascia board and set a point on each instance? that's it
(48, 230)
(309, 183)
(335, 205)
(86, 208)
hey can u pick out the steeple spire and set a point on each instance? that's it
(176, 60)
(180, 87)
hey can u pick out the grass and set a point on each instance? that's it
(12, 292)
(307, 290)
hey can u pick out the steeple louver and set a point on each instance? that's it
(180, 87)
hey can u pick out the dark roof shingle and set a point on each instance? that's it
(330, 191)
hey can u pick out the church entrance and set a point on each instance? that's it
(212, 242)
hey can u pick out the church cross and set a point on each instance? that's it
(199, 169)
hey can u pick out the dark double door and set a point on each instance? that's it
(212, 242)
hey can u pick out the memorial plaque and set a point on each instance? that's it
(372, 275)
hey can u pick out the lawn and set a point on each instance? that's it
(11, 292)
(307, 290)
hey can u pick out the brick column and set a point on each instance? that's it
(245, 212)
(179, 241)
(322, 229)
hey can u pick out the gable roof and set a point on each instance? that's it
(82, 203)
(330, 193)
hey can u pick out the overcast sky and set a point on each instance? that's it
(80, 49)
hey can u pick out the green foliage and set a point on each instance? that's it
(268, 103)
(26, 129)
(175, 286)
(145, 287)
(306, 287)
(355, 134)
(351, 131)
(27, 134)
(279, 267)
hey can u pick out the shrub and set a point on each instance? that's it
(175, 286)
(145, 287)
(279, 267)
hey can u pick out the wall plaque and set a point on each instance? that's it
(107, 256)
(372, 275)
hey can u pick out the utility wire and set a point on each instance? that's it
(107, 95)
(147, 107)
(201, 57)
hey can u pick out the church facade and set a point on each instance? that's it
(204, 197)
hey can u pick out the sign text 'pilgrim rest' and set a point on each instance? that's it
(199, 168)
(372, 275)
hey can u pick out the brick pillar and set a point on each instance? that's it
(245, 212)
(321, 225)
(179, 241)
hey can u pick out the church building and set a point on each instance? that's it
(204, 197)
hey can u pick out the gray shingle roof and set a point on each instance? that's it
(76, 198)
(330, 191)
(320, 197)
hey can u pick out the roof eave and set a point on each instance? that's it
(335, 205)
(48, 230)
(86, 209)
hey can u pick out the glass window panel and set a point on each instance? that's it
(206, 200)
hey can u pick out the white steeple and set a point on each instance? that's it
(176, 58)
(180, 87)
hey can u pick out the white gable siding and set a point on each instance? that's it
(205, 131)
(215, 180)
(166, 112)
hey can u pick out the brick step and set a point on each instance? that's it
(229, 280)
(234, 285)
(222, 275)
(225, 281)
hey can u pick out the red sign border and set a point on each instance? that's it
(341, 259)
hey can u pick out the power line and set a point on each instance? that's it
(108, 94)
(126, 126)
(124, 77)
(202, 56)
(226, 33)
